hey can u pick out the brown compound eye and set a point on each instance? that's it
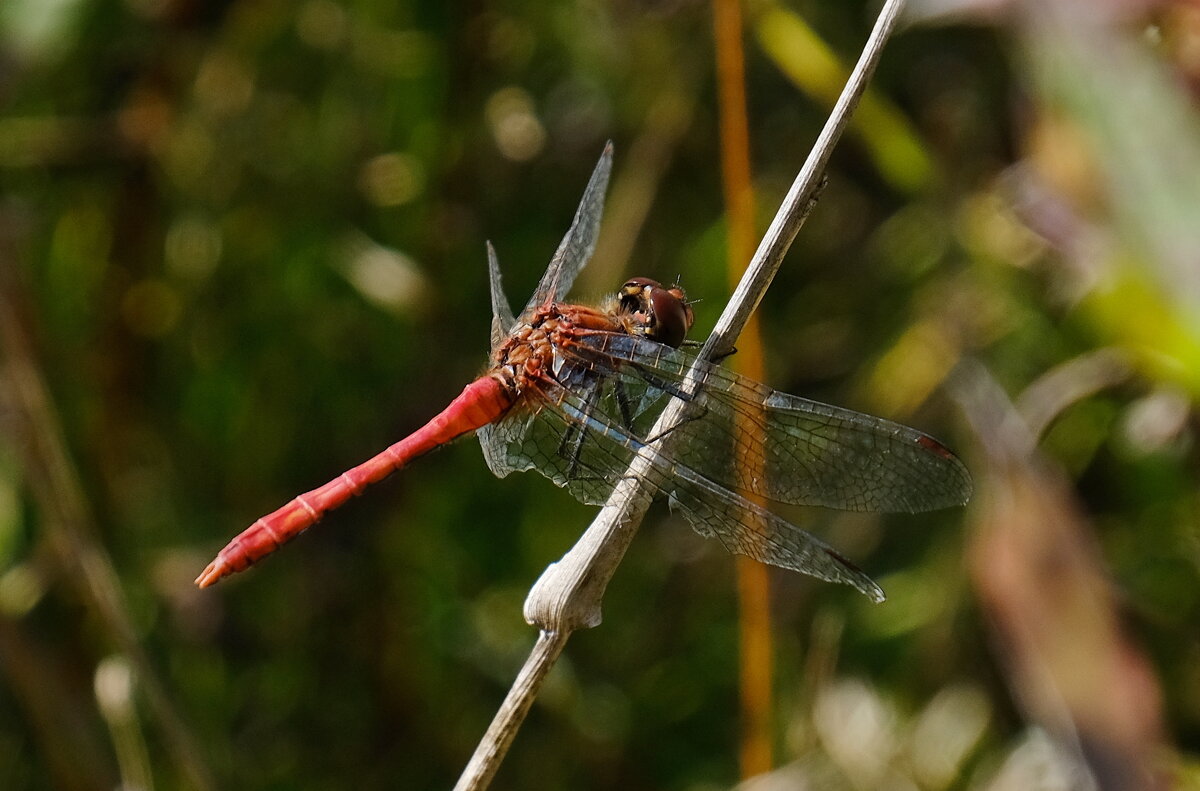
(672, 315)
(664, 314)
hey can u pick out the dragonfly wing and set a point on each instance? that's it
(593, 467)
(543, 439)
(745, 528)
(750, 437)
(502, 317)
(578, 245)
(497, 439)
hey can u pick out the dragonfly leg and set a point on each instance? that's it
(696, 412)
(723, 355)
(719, 356)
(586, 417)
(623, 405)
(575, 436)
(571, 446)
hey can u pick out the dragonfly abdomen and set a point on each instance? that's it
(485, 400)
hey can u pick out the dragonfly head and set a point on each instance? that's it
(660, 313)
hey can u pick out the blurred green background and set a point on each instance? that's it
(243, 249)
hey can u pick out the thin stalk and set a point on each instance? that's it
(500, 734)
(753, 578)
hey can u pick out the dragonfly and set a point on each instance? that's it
(573, 392)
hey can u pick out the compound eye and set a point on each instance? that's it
(661, 314)
(671, 315)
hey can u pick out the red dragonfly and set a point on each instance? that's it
(573, 391)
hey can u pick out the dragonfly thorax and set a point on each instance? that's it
(531, 350)
(641, 307)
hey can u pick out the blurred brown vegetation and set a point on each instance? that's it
(242, 248)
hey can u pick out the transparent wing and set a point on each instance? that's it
(573, 440)
(538, 438)
(577, 246)
(750, 437)
(502, 317)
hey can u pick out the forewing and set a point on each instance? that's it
(593, 467)
(502, 317)
(789, 449)
(578, 245)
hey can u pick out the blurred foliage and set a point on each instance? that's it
(248, 241)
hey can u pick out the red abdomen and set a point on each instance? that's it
(481, 402)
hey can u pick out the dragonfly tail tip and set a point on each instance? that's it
(212, 573)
